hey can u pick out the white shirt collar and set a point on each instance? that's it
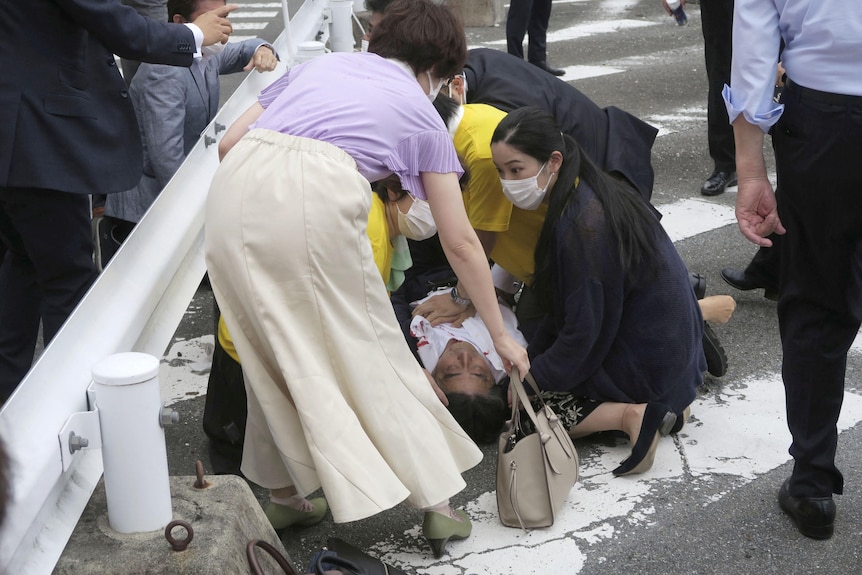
(453, 124)
(404, 66)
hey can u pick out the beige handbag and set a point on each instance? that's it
(537, 464)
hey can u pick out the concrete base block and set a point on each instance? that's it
(479, 13)
(225, 517)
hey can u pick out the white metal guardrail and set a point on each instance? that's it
(135, 305)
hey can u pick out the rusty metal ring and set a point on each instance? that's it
(272, 551)
(179, 544)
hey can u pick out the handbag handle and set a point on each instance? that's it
(522, 397)
(273, 552)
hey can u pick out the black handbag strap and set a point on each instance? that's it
(371, 565)
(342, 564)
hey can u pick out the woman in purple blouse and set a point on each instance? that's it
(336, 399)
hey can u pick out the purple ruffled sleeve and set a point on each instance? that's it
(428, 151)
(271, 92)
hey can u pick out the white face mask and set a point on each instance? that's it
(434, 91)
(526, 194)
(417, 223)
(212, 49)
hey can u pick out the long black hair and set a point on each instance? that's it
(534, 132)
(447, 107)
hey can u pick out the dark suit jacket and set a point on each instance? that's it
(615, 140)
(66, 120)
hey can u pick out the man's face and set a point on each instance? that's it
(207, 6)
(462, 369)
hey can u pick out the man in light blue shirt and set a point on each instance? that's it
(817, 137)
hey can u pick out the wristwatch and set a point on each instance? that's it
(462, 301)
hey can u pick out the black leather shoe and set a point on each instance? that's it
(814, 516)
(717, 183)
(743, 281)
(698, 284)
(544, 66)
(716, 358)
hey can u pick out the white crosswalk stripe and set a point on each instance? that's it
(582, 72)
(249, 25)
(254, 14)
(585, 30)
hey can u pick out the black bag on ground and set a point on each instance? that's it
(369, 564)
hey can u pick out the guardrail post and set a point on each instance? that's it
(133, 442)
(341, 34)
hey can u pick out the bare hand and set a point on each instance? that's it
(717, 308)
(263, 60)
(513, 354)
(757, 211)
(441, 309)
(215, 25)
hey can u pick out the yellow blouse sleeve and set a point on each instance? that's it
(378, 234)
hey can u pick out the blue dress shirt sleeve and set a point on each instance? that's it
(756, 41)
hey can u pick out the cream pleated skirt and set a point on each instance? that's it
(335, 397)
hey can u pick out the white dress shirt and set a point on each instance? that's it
(433, 339)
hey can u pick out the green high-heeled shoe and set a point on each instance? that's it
(438, 529)
(283, 516)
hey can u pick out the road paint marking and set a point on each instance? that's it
(582, 72)
(690, 217)
(681, 120)
(234, 38)
(253, 14)
(184, 369)
(586, 29)
(250, 25)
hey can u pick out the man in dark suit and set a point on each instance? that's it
(717, 22)
(530, 18)
(67, 130)
(614, 139)
(174, 105)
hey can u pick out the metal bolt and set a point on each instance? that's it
(219, 127)
(76, 442)
(200, 482)
(168, 416)
(208, 140)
